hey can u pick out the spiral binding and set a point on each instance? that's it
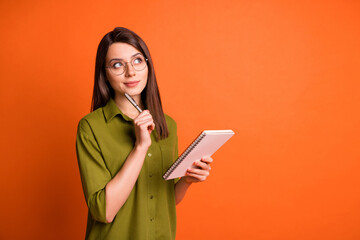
(184, 155)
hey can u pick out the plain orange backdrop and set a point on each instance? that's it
(284, 75)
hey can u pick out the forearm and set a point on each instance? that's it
(118, 189)
(180, 189)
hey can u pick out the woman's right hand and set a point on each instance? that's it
(144, 125)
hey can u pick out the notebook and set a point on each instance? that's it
(205, 145)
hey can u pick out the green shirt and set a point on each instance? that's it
(105, 138)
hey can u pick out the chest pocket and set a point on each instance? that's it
(167, 157)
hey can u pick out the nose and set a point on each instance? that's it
(129, 70)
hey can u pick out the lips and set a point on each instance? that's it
(131, 84)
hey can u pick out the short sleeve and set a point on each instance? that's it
(93, 171)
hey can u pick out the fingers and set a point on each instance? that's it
(144, 125)
(145, 115)
(200, 169)
(145, 121)
(195, 177)
(200, 172)
(204, 163)
(207, 160)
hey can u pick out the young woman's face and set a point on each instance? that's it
(126, 69)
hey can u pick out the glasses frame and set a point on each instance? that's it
(126, 66)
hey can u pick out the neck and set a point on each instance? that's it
(126, 107)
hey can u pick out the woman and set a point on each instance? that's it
(122, 154)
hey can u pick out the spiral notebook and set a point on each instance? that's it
(205, 145)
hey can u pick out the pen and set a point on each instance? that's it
(132, 101)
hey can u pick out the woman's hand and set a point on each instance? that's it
(199, 171)
(144, 125)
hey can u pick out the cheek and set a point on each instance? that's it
(145, 77)
(109, 78)
(114, 81)
(145, 73)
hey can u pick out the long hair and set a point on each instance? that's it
(103, 91)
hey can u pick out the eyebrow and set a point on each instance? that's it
(118, 59)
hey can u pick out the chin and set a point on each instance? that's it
(132, 92)
(135, 91)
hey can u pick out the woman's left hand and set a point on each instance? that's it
(199, 171)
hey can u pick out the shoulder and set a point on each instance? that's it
(90, 120)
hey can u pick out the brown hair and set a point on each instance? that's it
(103, 91)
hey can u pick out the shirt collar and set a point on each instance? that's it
(111, 110)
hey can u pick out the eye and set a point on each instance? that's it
(138, 60)
(117, 65)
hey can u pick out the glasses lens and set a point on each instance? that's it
(117, 67)
(139, 63)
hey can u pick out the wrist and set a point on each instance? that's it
(187, 180)
(141, 148)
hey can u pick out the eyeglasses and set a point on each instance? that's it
(117, 66)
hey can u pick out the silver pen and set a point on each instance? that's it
(132, 101)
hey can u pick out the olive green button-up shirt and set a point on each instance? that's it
(105, 138)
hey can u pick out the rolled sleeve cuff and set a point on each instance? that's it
(97, 206)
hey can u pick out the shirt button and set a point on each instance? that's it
(151, 219)
(149, 154)
(150, 175)
(151, 197)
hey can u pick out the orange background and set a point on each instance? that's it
(284, 75)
